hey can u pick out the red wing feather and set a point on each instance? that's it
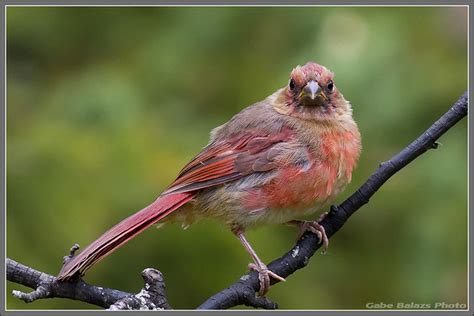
(224, 161)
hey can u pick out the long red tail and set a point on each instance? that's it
(123, 232)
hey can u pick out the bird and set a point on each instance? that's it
(274, 162)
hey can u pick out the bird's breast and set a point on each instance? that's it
(331, 159)
(289, 191)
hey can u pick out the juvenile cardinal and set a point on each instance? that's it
(275, 161)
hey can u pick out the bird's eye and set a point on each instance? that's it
(292, 85)
(330, 85)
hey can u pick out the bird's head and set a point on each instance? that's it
(312, 94)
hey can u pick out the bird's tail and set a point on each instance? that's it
(123, 232)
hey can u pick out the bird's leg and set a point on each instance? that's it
(315, 228)
(263, 273)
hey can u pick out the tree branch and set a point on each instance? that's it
(299, 255)
(243, 291)
(47, 286)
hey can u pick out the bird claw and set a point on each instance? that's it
(264, 276)
(316, 228)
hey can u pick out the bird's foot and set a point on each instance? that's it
(264, 276)
(316, 228)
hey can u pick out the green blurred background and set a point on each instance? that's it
(105, 105)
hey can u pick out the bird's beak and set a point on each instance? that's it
(311, 90)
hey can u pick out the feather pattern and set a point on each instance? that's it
(224, 161)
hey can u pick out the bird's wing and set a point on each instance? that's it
(224, 161)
